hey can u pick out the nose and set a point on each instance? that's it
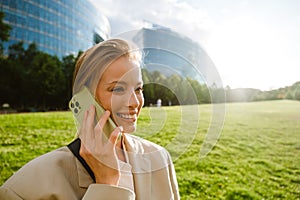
(133, 101)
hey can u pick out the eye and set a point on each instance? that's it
(139, 89)
(118, 89)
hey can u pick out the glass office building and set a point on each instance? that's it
(172, 53)
(58, 27)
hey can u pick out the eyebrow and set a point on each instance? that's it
(122, 83)
(116, 82)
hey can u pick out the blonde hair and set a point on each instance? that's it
(93, 62)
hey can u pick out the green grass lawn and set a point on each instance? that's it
(257, 155)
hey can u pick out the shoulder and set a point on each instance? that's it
(58, 158)
(55, 167)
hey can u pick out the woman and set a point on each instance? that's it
(125, 167)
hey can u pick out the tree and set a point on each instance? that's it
(10, 82)
(16, 52)
(148, 87)
(4, 31)
(47, 81)
(297, 93)
(68, 64)
(33, 80)
(4, 28)
(173, 89)
(19, 81)
(12, 76)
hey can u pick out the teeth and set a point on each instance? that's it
(126, 116)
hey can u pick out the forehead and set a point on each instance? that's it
(123, 68)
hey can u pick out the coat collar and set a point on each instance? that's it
(138, 158)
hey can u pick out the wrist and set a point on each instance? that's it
(108, 180)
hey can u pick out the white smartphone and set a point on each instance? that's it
(81, 102)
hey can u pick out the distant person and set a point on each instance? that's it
(122, 167)
(158, 102)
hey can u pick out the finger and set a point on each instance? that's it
(103, 119)
(83, 125)
(91, 117)
(115, 135)
(99, 128)
(88, 125)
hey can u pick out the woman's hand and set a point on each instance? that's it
(100, 154)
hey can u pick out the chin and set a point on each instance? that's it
(129, 129)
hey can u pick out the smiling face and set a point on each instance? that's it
(120, 90)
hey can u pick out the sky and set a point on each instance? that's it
(253, 43)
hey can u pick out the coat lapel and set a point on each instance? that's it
(83, 176)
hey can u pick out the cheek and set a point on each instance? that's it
(141, 101)
(105, 101)
(117, 101)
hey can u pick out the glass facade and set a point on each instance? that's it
(171, 53)
(58, 27)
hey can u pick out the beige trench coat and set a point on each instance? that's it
(59, 175)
